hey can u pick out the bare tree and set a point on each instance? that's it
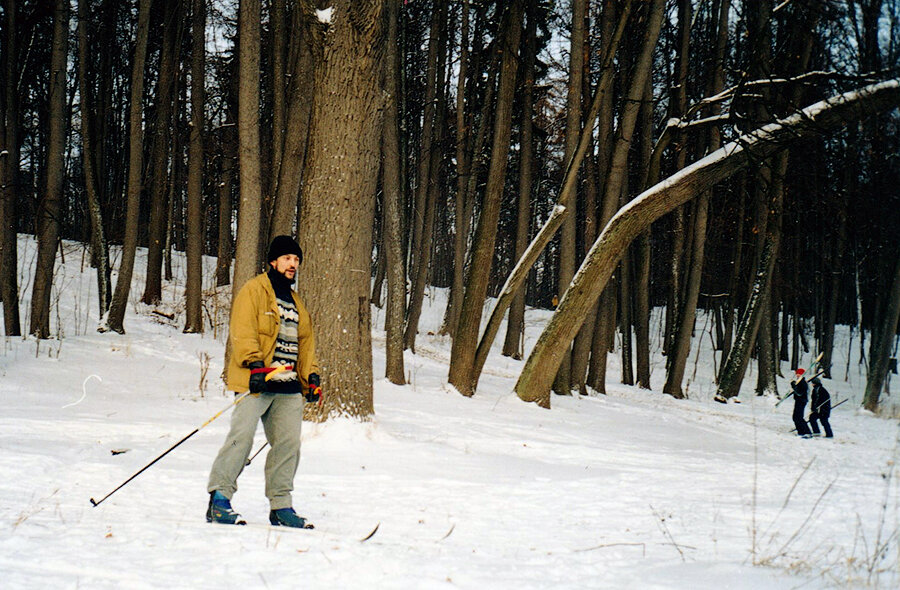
(880, 344)
(115, 318)
(515, 328)
(162, 140)
(194, 282)
(563, 383)
(462, 354)
(99, 245)
(9, 173)
(246, 261)
(393, 204)
(49, 205)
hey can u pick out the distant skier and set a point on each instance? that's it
(820, 409)
(800, 391)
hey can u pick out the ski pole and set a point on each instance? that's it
(172, 448)
(832, 407)
(256, 453)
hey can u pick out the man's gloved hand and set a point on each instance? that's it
(315, 391)
(258, 374)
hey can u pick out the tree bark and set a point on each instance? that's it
(880, 344)
(115, 317)
(681, 344)
(99, 245)
(463, 374)
(9, 169)
(515, 325)
(393, 205)
(563, 208)
(226, 202)
(535, 380)
(567, 255)
(429, 164)
(162, 138)
(339, 203)
(246, 260)
(48, 215)
(616, 174)
(194, 254)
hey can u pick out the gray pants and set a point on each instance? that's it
(282, 417)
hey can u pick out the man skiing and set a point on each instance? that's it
(800, 391)
(820, 409)
(272, 357)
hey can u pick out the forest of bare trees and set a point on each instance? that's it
(737, 160)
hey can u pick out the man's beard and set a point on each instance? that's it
(290, 280)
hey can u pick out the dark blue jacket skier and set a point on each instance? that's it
(820, 409)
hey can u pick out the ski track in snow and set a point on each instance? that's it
(629, 490)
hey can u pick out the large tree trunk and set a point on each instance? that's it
(393, 205)
(194, 282)
(246, 259)
(880, 345)
(116, 316)
(515, 326)
(339, 203)
(462, 354)
(9, 173)
(48, 213)
(537, 375)
(162, 138)
(99, 245)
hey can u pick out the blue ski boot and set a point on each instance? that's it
(220, 511)
(287, 517)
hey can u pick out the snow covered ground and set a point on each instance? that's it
(628, 490)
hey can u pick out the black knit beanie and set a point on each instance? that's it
(282, 245)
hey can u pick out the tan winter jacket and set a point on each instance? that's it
(254, 328)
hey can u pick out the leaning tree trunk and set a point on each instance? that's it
(338, 204)
(616, 174)
(880, 345)
(462, 354)
(537, 375)
(194, 281)
(99, 245)
(115, 318)
(49, 206)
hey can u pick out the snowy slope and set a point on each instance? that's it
(629, 490)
